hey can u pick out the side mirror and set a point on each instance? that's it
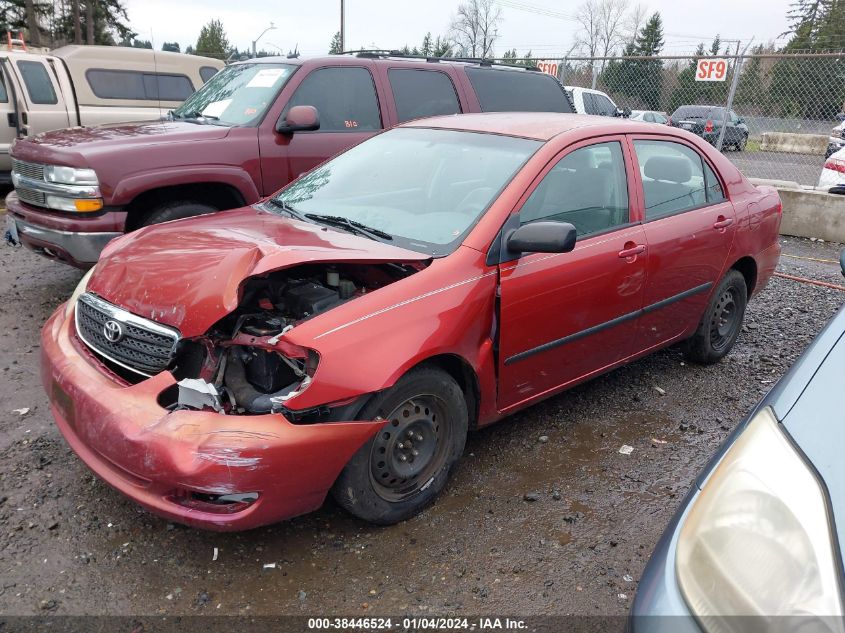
(542, 237)
(622, 112)
(301, 118)
(842, 261)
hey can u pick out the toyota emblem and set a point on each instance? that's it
(113, 331)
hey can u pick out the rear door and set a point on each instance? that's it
(564, 317)
(348, 103)
(8, 118)
(44, 104)
(689, 227)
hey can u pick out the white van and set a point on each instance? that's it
(90, 85)
(588, 101)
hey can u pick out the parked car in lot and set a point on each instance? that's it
(757, 544)
(252, 129)
(227, 371)
(90, 85)
(706, 121)
(587, 101)
(650, 116)
(832, 177)
(836, 140)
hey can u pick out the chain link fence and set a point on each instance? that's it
(779, 110)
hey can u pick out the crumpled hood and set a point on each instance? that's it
(187, 273)
(76, 145)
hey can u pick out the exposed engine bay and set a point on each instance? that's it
(242, 365)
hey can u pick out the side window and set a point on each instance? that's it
(137, 86)
(649, 117)
(207, 72)
(715, 193)
(589, 103)
(345, 97)
(4, 97)
(420, 93)
(37, 82)
(500, 90)
(587, 188)
(167, 87)
(673, 178)
(603, 105)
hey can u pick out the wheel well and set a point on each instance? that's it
(748, 267)
(215, 194)
(464, 375)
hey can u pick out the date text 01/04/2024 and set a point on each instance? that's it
(416, 624)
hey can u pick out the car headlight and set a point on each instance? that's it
(81, 287)
(757, 540)
(70, 175)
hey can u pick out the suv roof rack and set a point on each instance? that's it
(377, 53)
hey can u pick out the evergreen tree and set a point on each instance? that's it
(640, 79)
(335, 47)
(427, 48)
(212, 41)
(171, 47)
(443, 47)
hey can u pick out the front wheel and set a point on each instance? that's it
(403, 468)
(722, 321)
(177, 210)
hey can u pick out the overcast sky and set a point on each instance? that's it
(393, 23)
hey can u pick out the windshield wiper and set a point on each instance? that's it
(284, 206)
(356, 227)
(196, 115)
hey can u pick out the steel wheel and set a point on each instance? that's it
(411, 448)
(725, 320)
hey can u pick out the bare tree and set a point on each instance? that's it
(32, 22)
(589, 32)
(475, 27)
(611, 26)
(634, 22)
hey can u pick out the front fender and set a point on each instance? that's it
(237, 177)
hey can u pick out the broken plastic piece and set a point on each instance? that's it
(626, 450)
(195, 393)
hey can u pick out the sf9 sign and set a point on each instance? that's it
(711, 70)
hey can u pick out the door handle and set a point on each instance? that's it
(722, 223)
(631, 250)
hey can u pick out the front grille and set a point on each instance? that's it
(145, 346)
(28, 170)
(31, 196)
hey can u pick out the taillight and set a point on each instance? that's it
(708, 127)
(835, 164)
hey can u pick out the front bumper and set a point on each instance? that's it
(160, 458)
(76, 240)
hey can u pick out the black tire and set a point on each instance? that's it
(741, 143)
(177, 210)
(721, 322)
(385, 482)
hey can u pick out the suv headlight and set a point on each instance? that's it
(70, 175)
(81, 287)
(758, 541)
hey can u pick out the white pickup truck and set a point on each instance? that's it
(90, 85)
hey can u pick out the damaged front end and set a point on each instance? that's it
(244, 364)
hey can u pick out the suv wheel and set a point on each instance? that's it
(177, 210)
(405, 466)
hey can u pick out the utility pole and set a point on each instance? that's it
(342, 25)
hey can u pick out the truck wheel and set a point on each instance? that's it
(176, 211)
(404, 467)
(722, 321)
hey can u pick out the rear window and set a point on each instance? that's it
(517, 91)
(697, 112)
(37, 82)
(138, 86)
(421, 93)
(207, 72)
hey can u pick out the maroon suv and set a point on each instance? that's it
(249, 131)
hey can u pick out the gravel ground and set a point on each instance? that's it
(544, 516)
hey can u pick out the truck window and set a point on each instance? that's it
(4, 97)
(345, 97)
(421, 93)
(138, 86)
(37, 82)
(207, 72)
(517, 91)
(604, 106)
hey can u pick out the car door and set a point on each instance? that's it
(8, 119)
(44, 102)
(564, 317)
(348, 104)
(689, 228)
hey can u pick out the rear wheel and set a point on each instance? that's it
(177, 210)
(722, 321)
(404, 467)
(741, 144)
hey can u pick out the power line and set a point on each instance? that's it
(533, 8)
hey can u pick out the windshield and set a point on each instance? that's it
(425, 188)
(237, 95)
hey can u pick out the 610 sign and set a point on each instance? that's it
(711, 70)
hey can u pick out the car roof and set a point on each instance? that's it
(541, 126)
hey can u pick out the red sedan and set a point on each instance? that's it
(228, 371)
